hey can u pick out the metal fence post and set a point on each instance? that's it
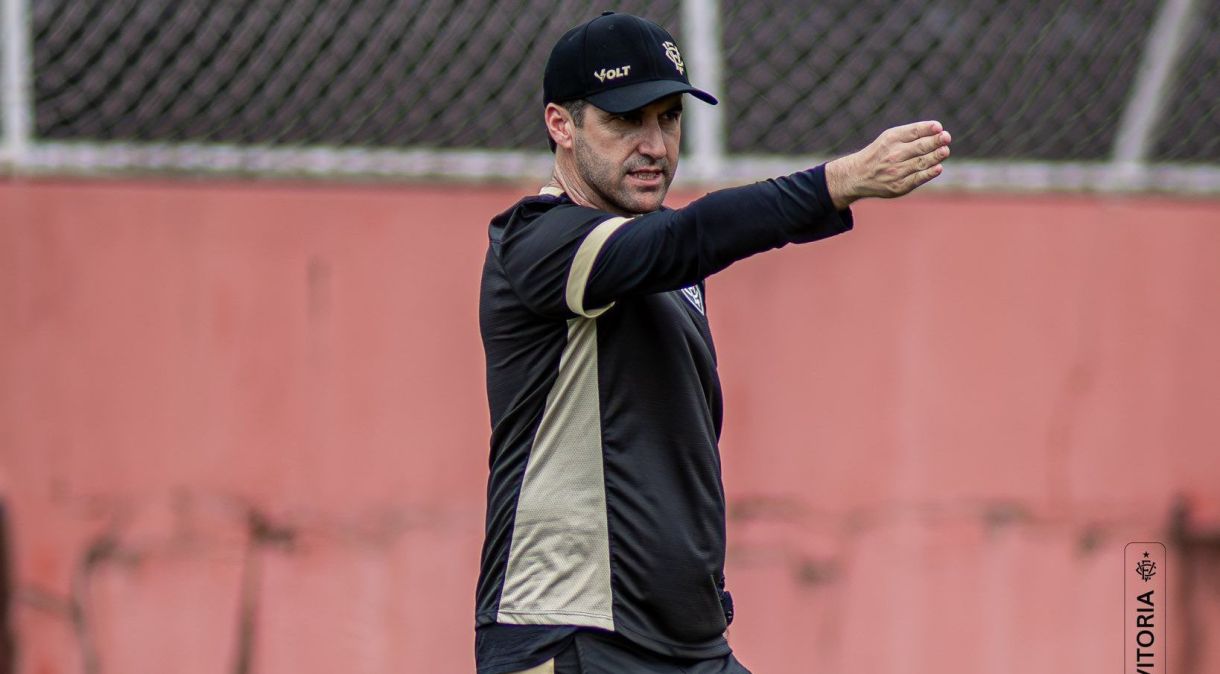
(705, 123)
(1149, 93)
(15, 81)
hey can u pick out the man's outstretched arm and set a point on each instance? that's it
(579, 260)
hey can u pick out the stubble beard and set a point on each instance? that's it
(607, 180)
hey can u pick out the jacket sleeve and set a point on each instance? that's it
(576, 261)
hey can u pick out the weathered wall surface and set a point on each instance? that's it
(242, 429)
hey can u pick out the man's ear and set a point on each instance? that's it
(559, 124)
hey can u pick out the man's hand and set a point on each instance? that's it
(901, 159)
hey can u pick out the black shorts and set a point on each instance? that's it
(606, 653)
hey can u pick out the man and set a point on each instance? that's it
(606, 517)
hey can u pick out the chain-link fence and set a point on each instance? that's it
(368, 73)
(1041, 79)
(1038, 81)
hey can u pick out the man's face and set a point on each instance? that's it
(628, 160)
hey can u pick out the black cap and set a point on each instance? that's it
(617, 62)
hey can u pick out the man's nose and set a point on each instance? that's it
(652, 141)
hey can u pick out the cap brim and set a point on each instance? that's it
(635, 96)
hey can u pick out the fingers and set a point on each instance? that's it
(920, 177)
(928, 144)
(926, 160)
(921, 146)
(920, 169)
(912, 132)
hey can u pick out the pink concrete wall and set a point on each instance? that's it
(242, 429)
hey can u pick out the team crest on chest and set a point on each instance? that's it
(693, 296)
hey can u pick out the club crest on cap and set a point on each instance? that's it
(672, 53)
